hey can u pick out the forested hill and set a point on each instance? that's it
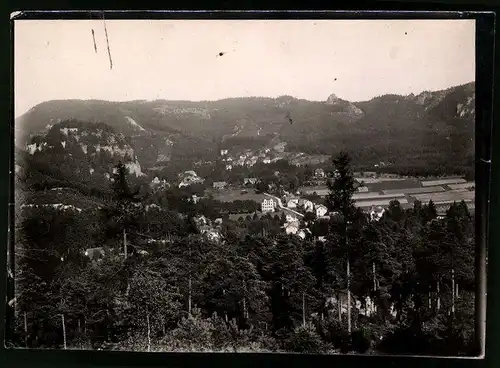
(429, 127)
(75, 154)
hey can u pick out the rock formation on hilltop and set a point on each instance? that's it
(345, 106)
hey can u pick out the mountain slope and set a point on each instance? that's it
(390, 127)
(75, 154)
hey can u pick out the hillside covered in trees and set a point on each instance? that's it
(432, 129)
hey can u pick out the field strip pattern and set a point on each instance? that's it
(431, 183)
(378, 180)
(376, 195)
(415, 190)
(445, 197)
(379, 202)
(468, 185)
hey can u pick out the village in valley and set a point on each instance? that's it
(300, 209)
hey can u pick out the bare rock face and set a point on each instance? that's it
(468, 108)
(354, 110)
(332, 99)
(84, 151)
(345, 107)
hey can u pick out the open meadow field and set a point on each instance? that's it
(468, 185)
(436, 189)
(446, 181)
(445, 197)
(377, 195)
(392, 184)
(384, 202)
(231, 195)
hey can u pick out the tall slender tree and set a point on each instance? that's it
(340, 201)
(122, 214)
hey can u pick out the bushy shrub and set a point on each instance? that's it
(344, 342)
(305, 339)
(361, 340)
(220, 334)
(81, 343)
(335, 333)
(135, 342)
(267, 343)
(329, 329)
(193, 333)
(407, 340)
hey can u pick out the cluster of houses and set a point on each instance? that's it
(221, 185)
(190, 177)
(308, 206)
(319, 173)
(292, 226)
(210, 229)
(250, 158)
(245, 159)
(293, 204)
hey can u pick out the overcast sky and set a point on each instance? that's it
(165, 59)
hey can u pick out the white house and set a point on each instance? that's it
(95, 254)
(321, 210)
(292, 203)
(268, 205)
(291, 228)
(219, 185)
(251, 181)
(376, 213)
(190, 177)
(201, 221)
(291, 218)
(319, 173)
(150, 206)
(307, 204)
(211, 234)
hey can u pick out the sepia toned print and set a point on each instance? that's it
(244, 186)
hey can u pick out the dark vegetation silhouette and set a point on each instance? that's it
(115, 275)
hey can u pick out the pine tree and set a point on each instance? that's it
(429, 212)
(282, 267)
(340, 200)
(122, 215)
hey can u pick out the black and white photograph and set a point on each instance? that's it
(248, 186)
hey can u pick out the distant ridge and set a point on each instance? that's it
(388, 126)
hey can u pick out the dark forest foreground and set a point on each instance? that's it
(402, 285)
